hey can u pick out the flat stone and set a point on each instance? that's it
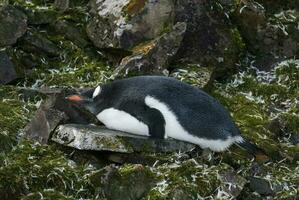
(7, 69)
(87, 137)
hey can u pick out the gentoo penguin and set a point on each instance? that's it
(162, 107)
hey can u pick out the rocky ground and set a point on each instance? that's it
(244, 53)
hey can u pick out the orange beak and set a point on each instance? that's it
(74, 98)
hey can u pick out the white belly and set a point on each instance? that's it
(122, 121)
(175, 130)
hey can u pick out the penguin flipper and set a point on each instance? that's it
(152, 117)
(156, 123)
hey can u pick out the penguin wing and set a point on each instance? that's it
(152, 117)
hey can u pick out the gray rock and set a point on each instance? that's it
(209, 38)
(40, 16)
(36, 43)
(126, 23)
(232, 183)
(85, 137)
(153, 57)
(52, 112)
(44, 122)
(263, 186)
(70, 32)
(271, 38)
(13, 24)
(125, 183)
(7, 69)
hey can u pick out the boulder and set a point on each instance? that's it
(153, 57)
(129, 25)
(13, 24)
(124, 183)
(70, 32)
(126, 23)
(210, 39)
(37, 43)
(41, 16)
(271, 38)
(7, 69)
(99, 138)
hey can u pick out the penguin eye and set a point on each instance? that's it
(96, 92)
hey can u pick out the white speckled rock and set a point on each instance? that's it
(125, 23)
(98, 138)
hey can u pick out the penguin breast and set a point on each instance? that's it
(122, 121)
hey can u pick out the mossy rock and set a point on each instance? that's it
(131, 181)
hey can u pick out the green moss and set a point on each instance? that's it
(192, 74)
(237, 38)
(197, 180)
(34, 168)
(254, 100)
(14, 114)
(75, 69)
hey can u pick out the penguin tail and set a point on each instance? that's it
(254, 150)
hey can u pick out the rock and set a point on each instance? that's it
(233, 183)
(154, 56)
(13, 24)
(36, 43)
(44, 122)
(209, 40)
(70, 32)
(124, 24)
(125, 183)
(251, 17)
(7, 69)
(55, 110)
(271, 38)
(97, 138)
(41, 16)
(263, 186)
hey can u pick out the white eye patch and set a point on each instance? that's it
(96, 92)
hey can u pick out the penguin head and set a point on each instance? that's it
(86, 98)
